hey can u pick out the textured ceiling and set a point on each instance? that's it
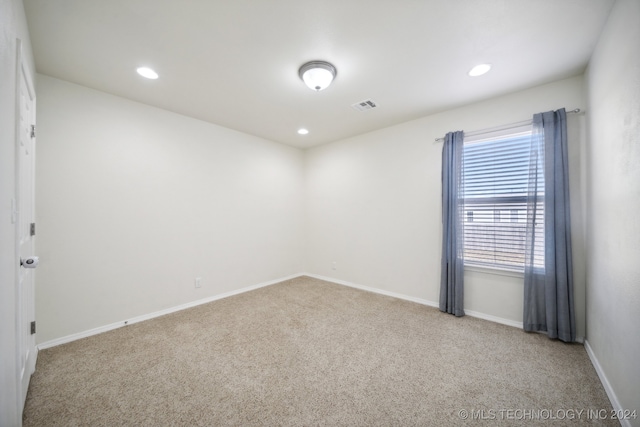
(235, 63)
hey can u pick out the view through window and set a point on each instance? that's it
(495, 179)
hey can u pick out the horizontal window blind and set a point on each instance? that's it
(495, 179)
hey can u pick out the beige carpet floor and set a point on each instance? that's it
(307, 352)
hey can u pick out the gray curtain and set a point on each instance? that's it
(548, 284)
(452, 264)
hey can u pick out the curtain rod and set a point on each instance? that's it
(479, 132)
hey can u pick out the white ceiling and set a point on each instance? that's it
(235, 62)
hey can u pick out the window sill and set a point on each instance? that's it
(493, 270)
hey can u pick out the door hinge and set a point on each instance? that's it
(32, 229)
(33, 131)
(33, 327)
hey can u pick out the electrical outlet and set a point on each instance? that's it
(334, 265)
(198, 282)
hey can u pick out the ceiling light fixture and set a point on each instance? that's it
(479, 70)
(303, 131)
(317, 75)
(147, 72)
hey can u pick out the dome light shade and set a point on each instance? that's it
(317, 74)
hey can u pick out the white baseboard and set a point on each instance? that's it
(605, 383)
(374, 290)
(493, 319)
(105, 328)
(116, 325)
(479, 315)
(471, 313)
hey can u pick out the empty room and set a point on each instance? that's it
(286, 212)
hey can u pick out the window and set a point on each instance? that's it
(495, 179)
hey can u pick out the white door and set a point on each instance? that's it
(25, 160)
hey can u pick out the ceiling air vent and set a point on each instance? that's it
(367, 104)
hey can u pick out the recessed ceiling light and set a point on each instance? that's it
(479, 70)
(147, 72)
(303, 131)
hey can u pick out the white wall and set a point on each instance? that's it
(135, 202)
(613, 274)
(13, 26)
(374, 203)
